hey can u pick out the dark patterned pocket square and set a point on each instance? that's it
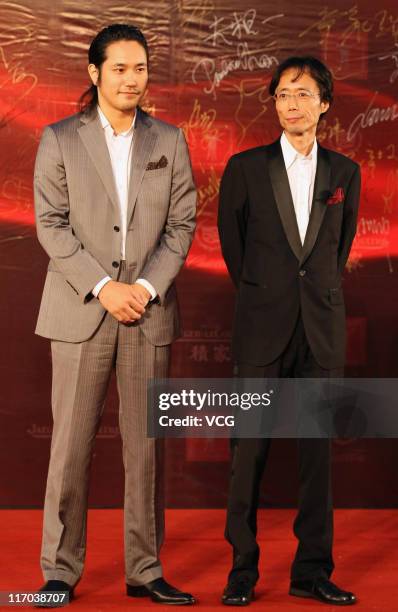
(162, 163)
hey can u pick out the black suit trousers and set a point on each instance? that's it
(313, 525)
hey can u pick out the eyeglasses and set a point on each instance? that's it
(301, 96)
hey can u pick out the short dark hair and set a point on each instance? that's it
(97, 54)
(314, 67)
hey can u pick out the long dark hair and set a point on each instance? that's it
(97, 55)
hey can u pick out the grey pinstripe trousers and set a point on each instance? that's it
(81, 373)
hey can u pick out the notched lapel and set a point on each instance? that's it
(143, 144)
(319, 206)
(283, 197)
(93, 137)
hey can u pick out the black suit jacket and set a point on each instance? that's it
(275, 275)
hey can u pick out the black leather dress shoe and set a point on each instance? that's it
(238, 592)
(161, 592)
(55, 586)
(323, 590)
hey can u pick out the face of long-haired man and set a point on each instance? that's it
(122, 78)
(299, 115)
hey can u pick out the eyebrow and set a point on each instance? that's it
(122, 65)
(298, 89)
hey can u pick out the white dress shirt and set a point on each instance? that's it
(120, 151)
(301, 172)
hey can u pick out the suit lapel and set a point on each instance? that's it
(283, 197)
(92, 134)
(319, 206)
(143, 144)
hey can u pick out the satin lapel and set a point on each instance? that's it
(319, 206)
(92, 134)
(143, 143)
(283, 197)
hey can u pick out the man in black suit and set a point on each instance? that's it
(287, 219)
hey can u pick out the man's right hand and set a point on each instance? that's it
(119, 300)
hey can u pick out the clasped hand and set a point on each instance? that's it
(124, 302)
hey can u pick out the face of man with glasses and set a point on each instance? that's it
(298, 103)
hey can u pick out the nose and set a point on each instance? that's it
(292, 102)
(130, 78)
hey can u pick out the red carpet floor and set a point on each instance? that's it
(196, 558)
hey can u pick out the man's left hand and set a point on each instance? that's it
(141, 293)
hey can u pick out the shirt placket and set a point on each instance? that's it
(121, 161)
(303, 189)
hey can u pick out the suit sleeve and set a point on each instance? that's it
(232, 217)
(80, 269)
(171, 252)
(350, 216)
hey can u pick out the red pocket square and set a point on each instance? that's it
(337, 197)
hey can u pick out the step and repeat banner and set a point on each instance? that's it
(210, 67)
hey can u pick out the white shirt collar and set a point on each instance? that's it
(290, 154)
(105, 123)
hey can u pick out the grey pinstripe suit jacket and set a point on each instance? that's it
(76, 208)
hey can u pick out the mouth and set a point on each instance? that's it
(130, 93)
(292, 119)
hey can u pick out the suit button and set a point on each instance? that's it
(303, 272)
(115, 264)
(116, 228)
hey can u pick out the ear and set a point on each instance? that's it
(324, 106)
(93, 72)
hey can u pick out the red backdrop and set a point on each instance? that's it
(210, 68)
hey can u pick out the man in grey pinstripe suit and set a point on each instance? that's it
(115, 211)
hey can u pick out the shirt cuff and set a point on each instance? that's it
(99, 286)
(148, 287)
